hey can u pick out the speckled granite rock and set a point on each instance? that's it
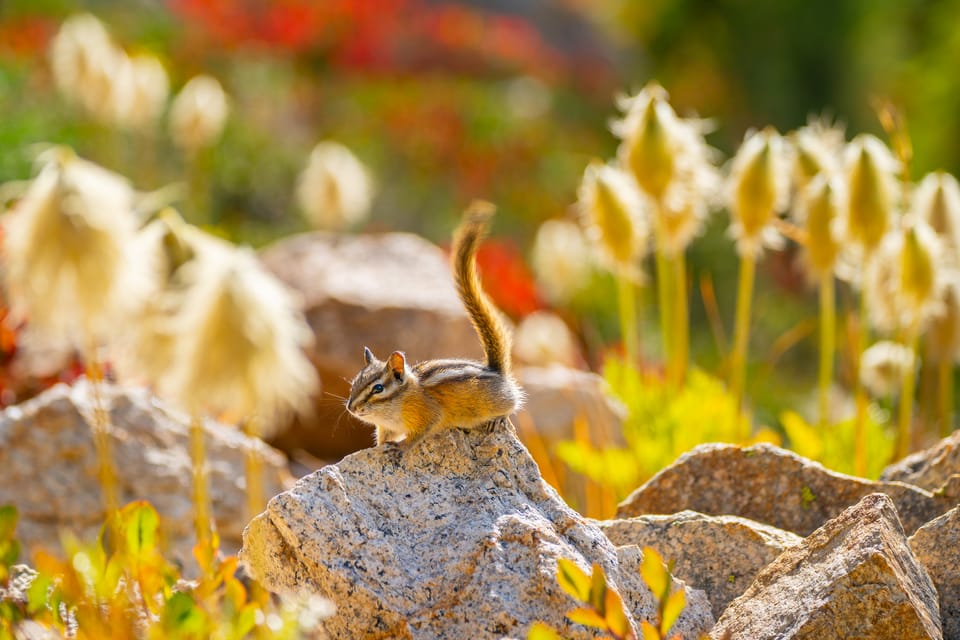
(717, 554)
(773, 486)
(937, 547)
(931, 468)
(457, 537)
(49, 467)
(855, 577)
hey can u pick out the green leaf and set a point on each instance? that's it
(542, 631)
(245, 620)
(37, 593)
(9, 552)
(140, 524)
(573, 580)
(598, 590)
(616, 618)
(587, 617)
(648, 631)
(654, 573)
(671, 609)
(182, 616)
(8, 522)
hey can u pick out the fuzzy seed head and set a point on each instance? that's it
(758, 189)
(871, 192)
(85, 63)
(882, 366)
(140, 92)
(243, 341)
(198, 114)
(542, 339)
(815, 150)
(335, 189)
(66, 250)
(942, 339)
(615, 216)
(936, 201)
(561, 260)
(649, 146)
(818, 209)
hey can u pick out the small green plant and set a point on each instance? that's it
(120, 586)
(832, 445)
(602, 608)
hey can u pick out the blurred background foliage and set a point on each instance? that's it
(508, 101)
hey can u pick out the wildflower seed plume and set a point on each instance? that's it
(85, 63)
(141, 91)
(816, 149)
(561, 260)
(542, 339)
(615, 215)
(870, 173)
(936, 201)
(335, 189)
(818, 211)
(904, 284)
(244, 341)
(67, 250)
(758, 190)
(198, 114)
(671, 164)
(942, 339)
(882, 367)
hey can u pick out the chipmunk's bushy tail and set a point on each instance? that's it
(485, 317)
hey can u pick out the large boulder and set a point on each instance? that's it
(931, 468)
(774, 486)
(855, 577)
(937, 547)
(394, 291)
(719, 555)
(49, 466)
(457, 536)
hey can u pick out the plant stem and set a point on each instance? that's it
(106, 472)
(905, 423)
(828, 323)
(945, 388)
(738, 362)
(681, 318)
(253, 468)
(665, 298)
(859, 392)
(201, 494)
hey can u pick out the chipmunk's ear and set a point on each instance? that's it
(398, 364)
(368, 355)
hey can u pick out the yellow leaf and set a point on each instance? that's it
(654, 573)
(648, 631)
(573, 580)
(598, 590)
(542, 631)
(617, 621)
(671, 610)
(587, 617)
(804, 438)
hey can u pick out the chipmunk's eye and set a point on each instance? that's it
(377, 388)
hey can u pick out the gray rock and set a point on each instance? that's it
(937, 547)
(931, 468)
(855, 577)
(457, 537)
(719, 555)
(50, 469)
(773, 486)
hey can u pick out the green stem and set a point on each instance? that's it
(682, 318)
(828, 322)
(665, 298)
(905, 422)
(945, 388)
(860, 339)
(201, 494)
(738, 362)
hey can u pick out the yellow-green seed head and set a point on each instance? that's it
(758, 188)
(936, 201)
(871, 188)
(818, 206)
(942, 339)
(614, 215)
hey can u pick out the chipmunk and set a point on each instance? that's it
(409, 401)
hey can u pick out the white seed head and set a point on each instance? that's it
(85, 63)
(615, 215)
(140, 92)
(757, 190)
(67, 250)
(815, 149)
(335, 189)
(882, 366)
(905, 280)
(936, 201)
(818, 211)
(561, 260)
(198, 113)
(543, 338)
(870, 172)
(243, 341)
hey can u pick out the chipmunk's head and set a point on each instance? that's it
(376, 390)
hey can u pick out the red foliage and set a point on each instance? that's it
(25, 37)
(506, 279)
